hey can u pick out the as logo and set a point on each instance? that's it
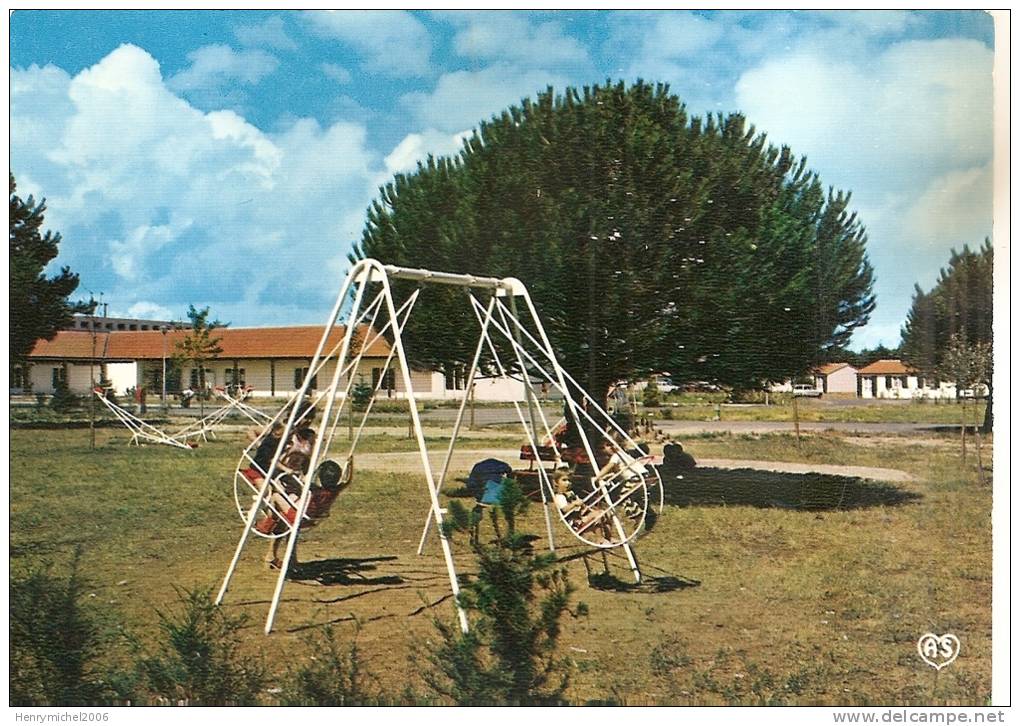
(938, 651)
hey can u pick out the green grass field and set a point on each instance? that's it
(760, 588)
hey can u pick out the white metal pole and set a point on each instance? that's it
(316, 451)
(405, 371)
(344, 289)
(459, 420)
(532, 402)
(551, 354)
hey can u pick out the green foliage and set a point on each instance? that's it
(650, 240)
(960, 304)
(333, 675)
(361, 395)
(200, 661)
(38, 304)
(199, 346)
(55, 640)
(967, 364)
(958, 308)
(651, 397)
(515, 604)
(63, 400)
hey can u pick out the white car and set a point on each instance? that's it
(806, 389)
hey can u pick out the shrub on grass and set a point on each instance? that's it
(333, 676)
(516, 601)
(200, 661)
(63, 400)
(55, 640)
(361, 394)
(651, 397)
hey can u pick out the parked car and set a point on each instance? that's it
(806, 389)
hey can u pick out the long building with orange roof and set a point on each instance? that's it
(271, 361)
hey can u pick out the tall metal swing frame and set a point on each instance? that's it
(533, 356)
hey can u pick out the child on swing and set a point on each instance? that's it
(329, 481)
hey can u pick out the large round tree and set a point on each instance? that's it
(651, 241)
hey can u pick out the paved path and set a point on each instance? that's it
(463, 460)
(766, 427)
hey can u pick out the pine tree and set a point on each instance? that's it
(38, 304)
(517, 600)
(958, 307)
(649, 240)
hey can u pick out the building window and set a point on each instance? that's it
(230, 380)
(389, 380)
(120, 326)
(456, 378)
(195, 383)
(889, 382)
(58, 376)
(299, 379)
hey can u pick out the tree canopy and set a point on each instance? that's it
(199, 346)
(650, 240)
(956, 313)
(39, 304)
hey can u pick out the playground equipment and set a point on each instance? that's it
(201, 428)
(605, 510)
(255, 415)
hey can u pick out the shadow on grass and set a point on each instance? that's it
(649, 584)
(597, 566)
(345, 571)
(770, 489)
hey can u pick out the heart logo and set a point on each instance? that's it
(938, 651)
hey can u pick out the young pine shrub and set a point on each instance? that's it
(56, 639)
(200, 662)
(333, 675)
(515, 604)
(63, 400)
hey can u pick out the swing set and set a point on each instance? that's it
(142, 431)
(602, 510)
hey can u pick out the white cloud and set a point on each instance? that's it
(161, 203)
(215, 66)
(954, 210)
(390, 41)
(270, 33)
(417, 147)
(336, 72)
(147, 310)
(512, 36)
(463, 98)
(920, 107)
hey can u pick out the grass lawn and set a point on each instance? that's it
(758, 589)
(828, 411)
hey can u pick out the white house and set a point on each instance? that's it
(891, 378)
(272, 361)
(837, 380)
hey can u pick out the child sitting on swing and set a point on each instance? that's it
(330, 480)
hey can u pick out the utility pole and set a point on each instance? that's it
(163, 330)
(92, 375)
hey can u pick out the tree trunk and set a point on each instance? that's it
(963, 428)
(986, 427)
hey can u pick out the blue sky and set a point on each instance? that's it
(226, 158)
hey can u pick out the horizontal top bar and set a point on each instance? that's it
(443, 278)
(507, 285)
